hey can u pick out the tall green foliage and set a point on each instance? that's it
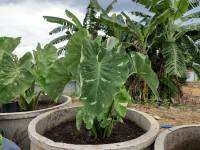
(101, 68)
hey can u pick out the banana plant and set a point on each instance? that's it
(71, 23)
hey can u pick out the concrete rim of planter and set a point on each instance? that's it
(160, 140)
(141, 142)
(34, 113)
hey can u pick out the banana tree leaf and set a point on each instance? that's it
(180, 6)
(60, 21)
(74, 18)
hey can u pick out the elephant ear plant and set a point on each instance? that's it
(101, 67)
(20, 76)
(15, 75)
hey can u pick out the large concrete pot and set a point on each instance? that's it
(15, 125)
(46, 121)
(174, 137)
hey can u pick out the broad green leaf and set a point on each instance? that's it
(15, 76)
(180, 6)
(66, 68)
(58, 76)
(141, 66)
(121, 101)
(8, 45)
(44, 58)
(103, 73)
(74, 48)
(74, 18)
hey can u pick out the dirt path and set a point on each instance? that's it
(172, 116)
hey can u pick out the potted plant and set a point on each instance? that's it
(20, 99)
(101, 68)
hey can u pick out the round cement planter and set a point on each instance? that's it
(46, 121)
(15, 125)
(174, 137)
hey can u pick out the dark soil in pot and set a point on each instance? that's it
(188, 145)
(67, 133)
(14, 106)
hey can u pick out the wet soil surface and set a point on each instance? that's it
(67, 133)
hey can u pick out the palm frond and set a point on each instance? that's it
(196, 68)
(110, 6)
(60, 39)
(58, 29)
(60, 21)
(175, 64)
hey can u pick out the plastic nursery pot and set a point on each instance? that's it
(8, 145)
(186, 137)
(45, 122)
(15, 125)
(10, 107)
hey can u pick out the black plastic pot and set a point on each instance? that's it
(10, 107)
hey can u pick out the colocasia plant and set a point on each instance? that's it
(101, 68)
(20, 76)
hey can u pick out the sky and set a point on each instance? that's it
(23, 18)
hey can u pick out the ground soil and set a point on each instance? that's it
(175, 115)
(67, 133)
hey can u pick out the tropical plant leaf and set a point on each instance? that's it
(141, 66)
(8, 45)
(60, 21)
(74, 18)
(172, 88)
(44, 58)
(58, 76)
(196, 68)
(15, 75)
(58, 29)
(180, 6)
(110, 6)
(100, 82)
(175, 64)
(61, 39)
(122, 99)
(74, 48)
(66, 68)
